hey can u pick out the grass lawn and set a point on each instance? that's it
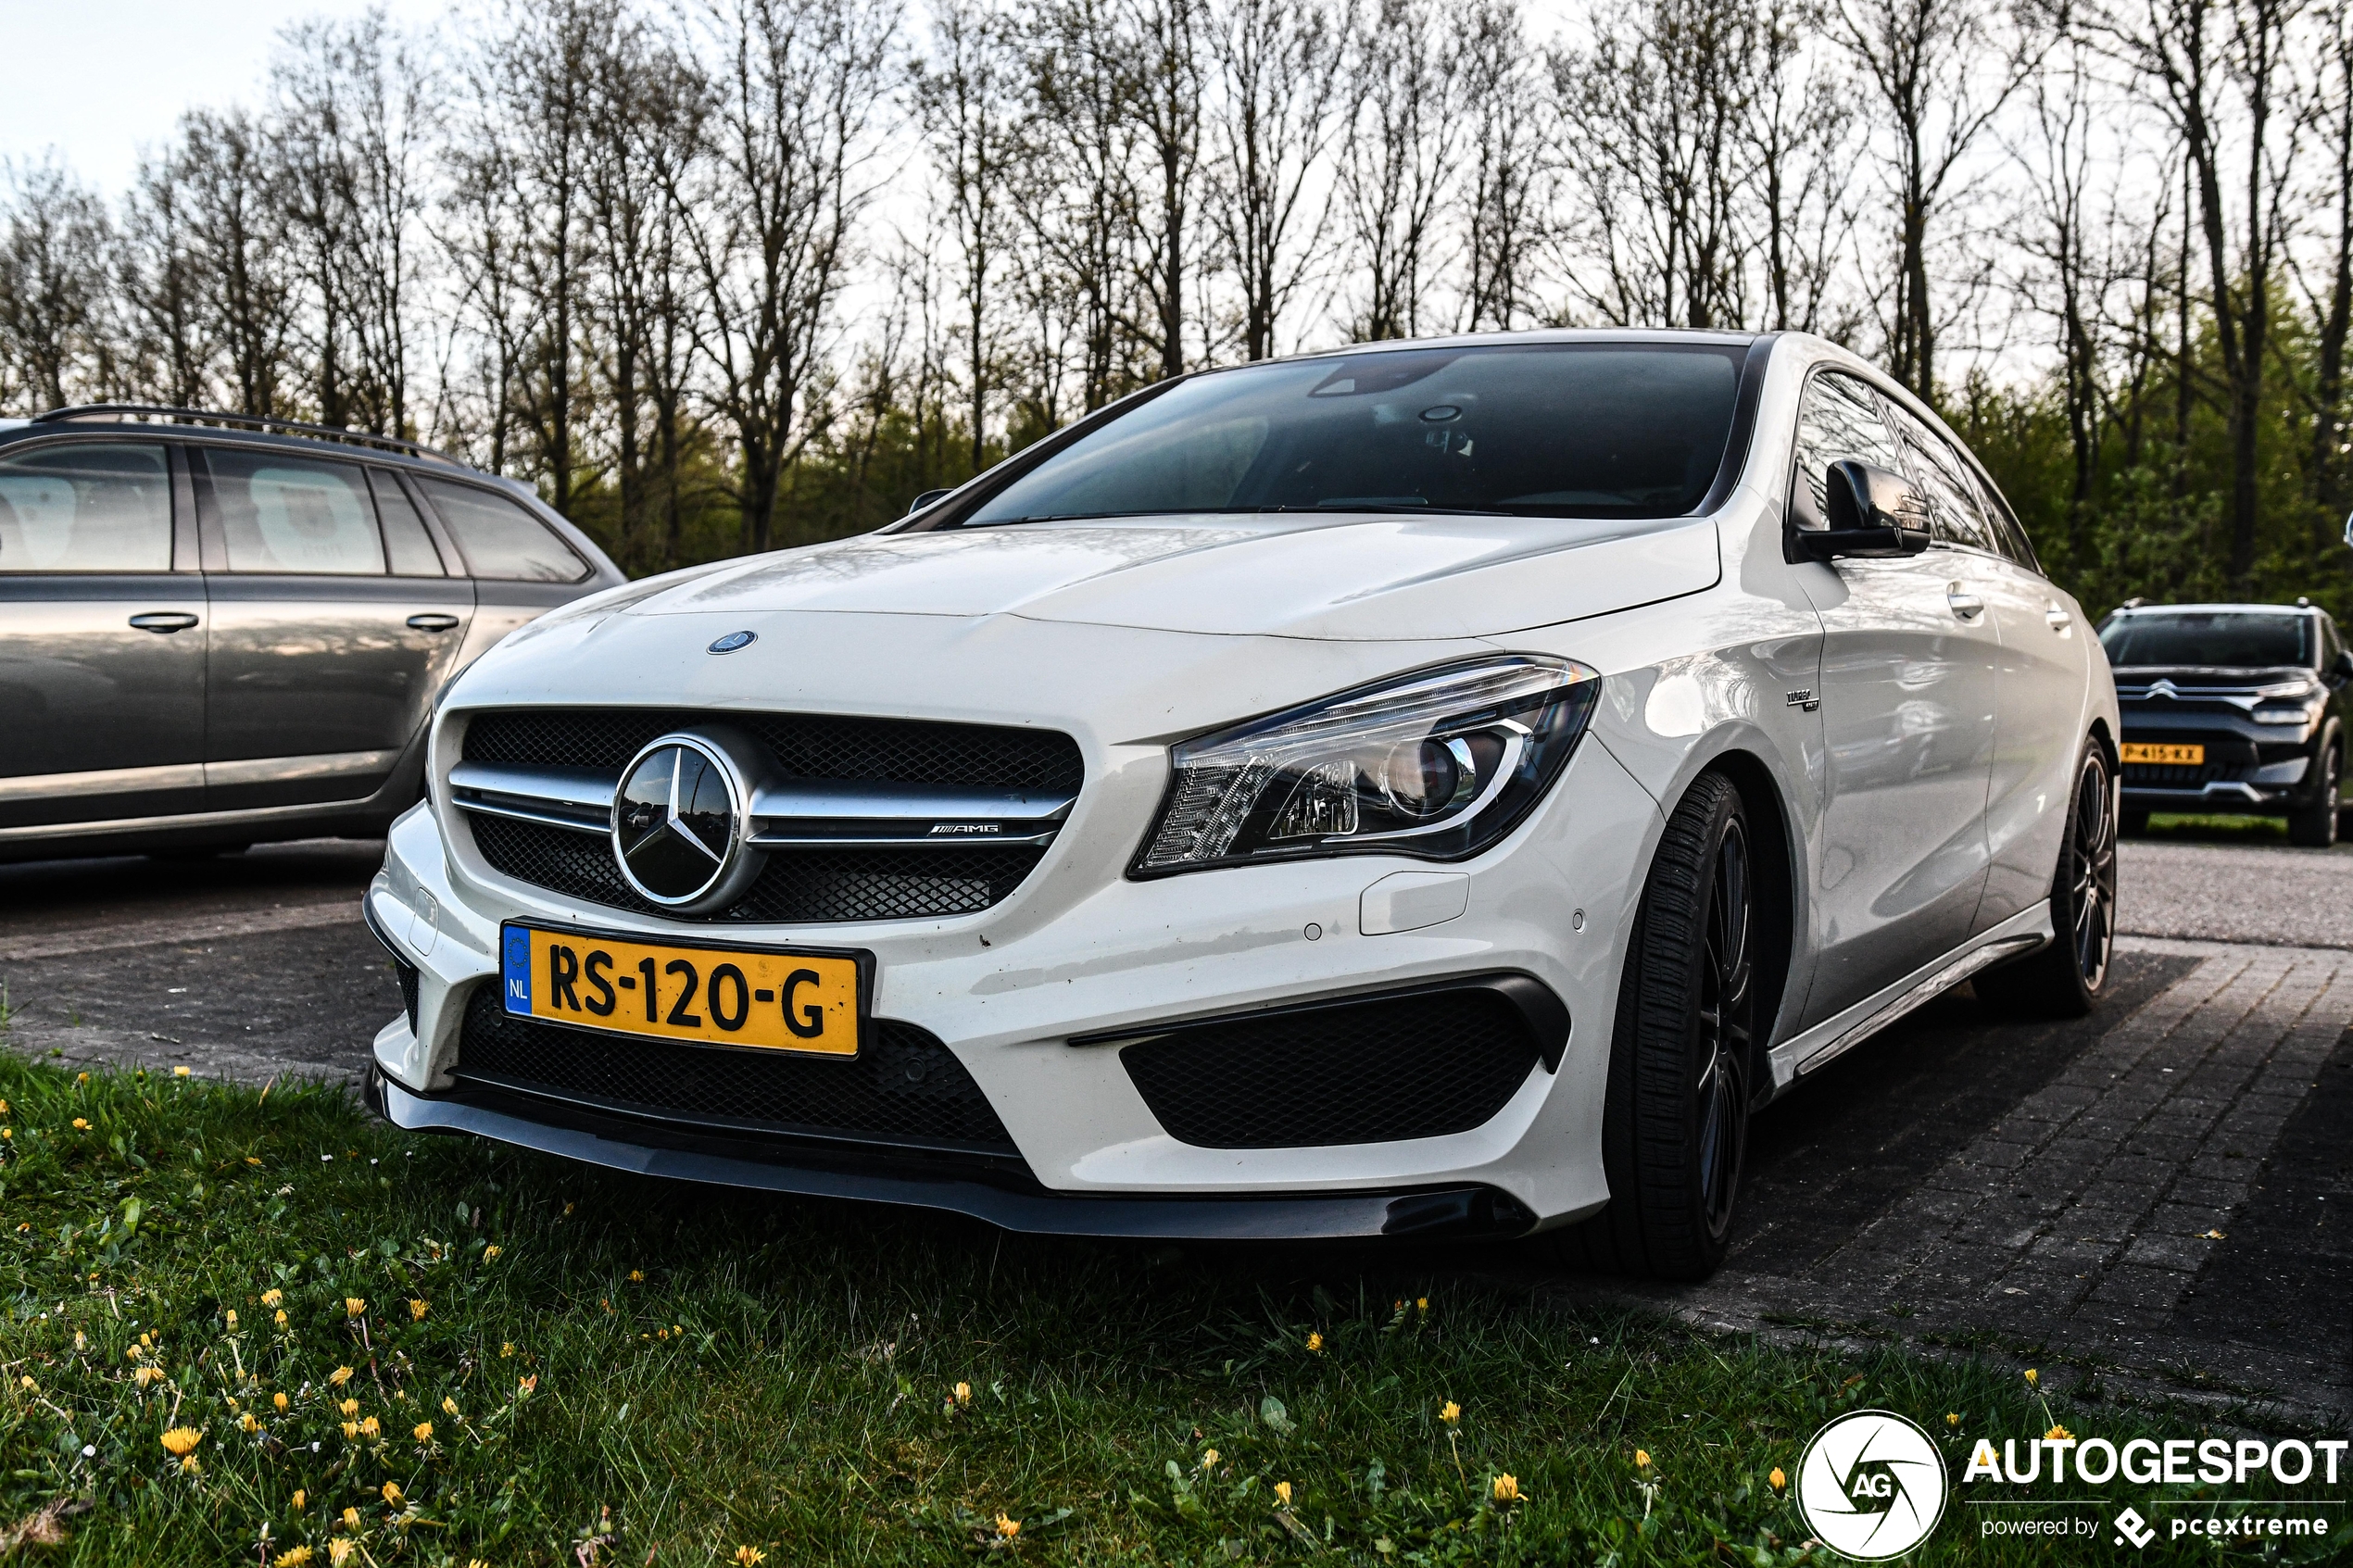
(414, 1350)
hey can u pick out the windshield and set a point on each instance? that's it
(2230, 639)
(1538, 430)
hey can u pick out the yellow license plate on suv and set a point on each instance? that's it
(782, 1001)
(2149, 751)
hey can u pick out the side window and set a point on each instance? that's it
(500, 540)
(1839, 418)
(2010, 537)
(407, 544)
(287, 514)
(89, 507)
(1946, 481)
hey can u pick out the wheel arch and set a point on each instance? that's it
(1778, 855)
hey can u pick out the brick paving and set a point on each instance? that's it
(2078, 1223)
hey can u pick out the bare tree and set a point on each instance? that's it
(776, 209)
(1800, 135)
(54, 298)
(1077, 189)
(1166, 105)
(1511, 156)
(234, 226)
(969, 99)
(174, 343)
(1397, 167)
(1271, 123)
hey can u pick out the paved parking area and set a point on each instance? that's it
(2157, 1196)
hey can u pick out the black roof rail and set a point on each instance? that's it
(145, 412)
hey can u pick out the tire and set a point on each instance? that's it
(1675, 1121)
(2314, 826)
(2066, 977)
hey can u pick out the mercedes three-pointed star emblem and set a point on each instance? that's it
(679, 822)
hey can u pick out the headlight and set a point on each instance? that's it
(2281, 715)
(1438, 764)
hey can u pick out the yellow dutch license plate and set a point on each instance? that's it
(2151, 751)
(782, 1001)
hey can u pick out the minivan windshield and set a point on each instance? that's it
(1536, 429)
(2230, 639)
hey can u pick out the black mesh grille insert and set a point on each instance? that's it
(904, 1087)
(800, 886)
(1371, 1071)
(816, 747)
(795, 885)
(407, 991)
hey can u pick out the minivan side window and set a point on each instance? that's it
(296, 515)
(89, 506)
(500, 540)
(1838, 419)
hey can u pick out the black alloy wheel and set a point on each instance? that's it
(2313, 826)
(1682, 1056)
(2066, 977)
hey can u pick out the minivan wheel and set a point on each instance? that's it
(2067, 977)
(1675, 1121)
(2314, 826)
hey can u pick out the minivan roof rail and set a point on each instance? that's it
(145, 412)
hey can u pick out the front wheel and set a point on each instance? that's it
(2066, 978)
(2314, 826)
(1675, 1124)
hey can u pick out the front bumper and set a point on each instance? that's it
(1036, 995)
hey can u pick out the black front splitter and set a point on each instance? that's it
(1430, 1213)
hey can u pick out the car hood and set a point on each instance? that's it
(1381, 579)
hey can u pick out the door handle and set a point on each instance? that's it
(2059, 620)
(1965, 604)
(164, 621)
(432, 622)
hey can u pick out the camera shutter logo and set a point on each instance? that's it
(1872, 1485)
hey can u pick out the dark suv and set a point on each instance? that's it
(217, 631)
(2232, 708)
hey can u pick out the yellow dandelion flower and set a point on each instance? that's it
(181, 1441)
(636, 1275)
(2059, 1434)
(1282, 1493)
(10, 1133)
(1450, 1412)
(1008, 1527)
(1641, 1459)
(340, 1376)
(339, 1549)
(231, 1316)
(354, 1305)
(422, 1432)
(750, 1556)
(178, 1072)
(251, 1161)
(1316, 1344)
(491, 1251)
(351, 1520)
(1777, 1479)
(190, 1467)
(392, 1491)
(1209, 1459)
(1952, 1418)
(1506, 1489)
(1421, 1303)
(449, 1408)
(370, 1427)
(247, 1422)
(963, 1393)
(81, 1077)
(525, 1387)
(272, 1298)
(416, 1310)
(4, 1108)
(506, 1348)
(2032, 1379)
(349, 1408)
(350, 1431)
(300, 1499)
(80, 1123)
(281, 1317)
(147, 1374)
(292, 1556)
(27, 1382)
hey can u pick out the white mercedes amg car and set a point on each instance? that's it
(1437, 788)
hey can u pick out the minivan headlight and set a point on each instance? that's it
(1438, 764)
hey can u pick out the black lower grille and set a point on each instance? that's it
(2183, 775)
(1372, 1071)
(408, 990)
(904, 1087)
(802, 886)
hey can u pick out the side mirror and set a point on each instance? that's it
(2343, 667)
(1873, 512)
(925, 499)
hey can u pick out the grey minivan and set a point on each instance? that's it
(216, 631)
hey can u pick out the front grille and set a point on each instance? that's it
(2183, 776)
(812, 746)
(795, 887)
(904, 1087)
(1372, 1071)
(408, 990)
